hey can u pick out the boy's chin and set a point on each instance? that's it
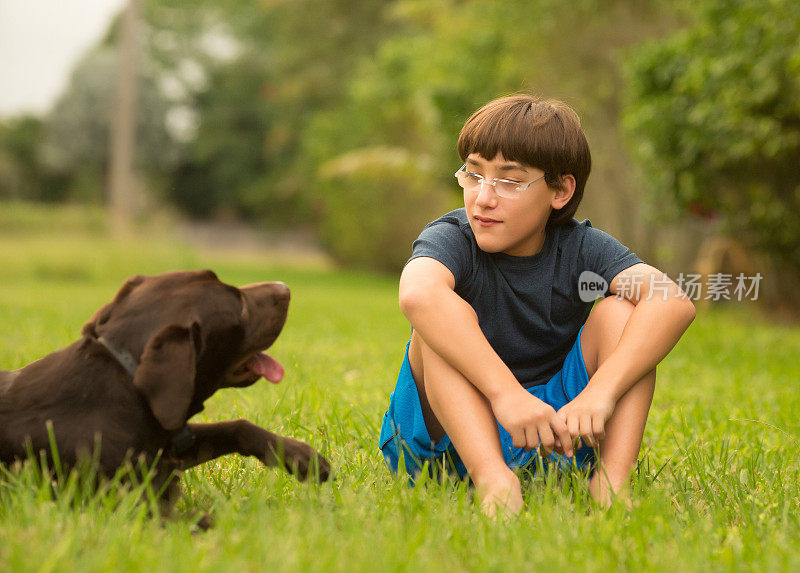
(492, 240)
(490, 246)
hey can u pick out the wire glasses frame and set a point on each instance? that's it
(502, 187)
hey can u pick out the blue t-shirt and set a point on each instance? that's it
(528, 307)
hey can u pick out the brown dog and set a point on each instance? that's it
(145, 365)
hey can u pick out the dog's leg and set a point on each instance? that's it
(247, 439)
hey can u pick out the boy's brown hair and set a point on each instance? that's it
(541, 133)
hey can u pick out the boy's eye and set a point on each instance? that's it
(505, 186)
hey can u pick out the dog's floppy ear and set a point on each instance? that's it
(99, 317)
(104, 313)
(166, 374)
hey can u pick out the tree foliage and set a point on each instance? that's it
(20, 177)
(267, 101)
(78, 130)
(714, 112)
(290, 61)
(422, 83)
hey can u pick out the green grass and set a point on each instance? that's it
(712, 492)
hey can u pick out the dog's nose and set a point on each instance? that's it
(277, 291)
(280, 289)
(280, 292)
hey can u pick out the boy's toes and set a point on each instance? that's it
(500, 495)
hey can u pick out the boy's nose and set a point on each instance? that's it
(486, 194)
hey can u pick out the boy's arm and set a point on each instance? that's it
(449, 325)
(661, 315)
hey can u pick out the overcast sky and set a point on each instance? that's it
(40, 41)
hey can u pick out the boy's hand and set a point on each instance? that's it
(532, 423)
(586, 415)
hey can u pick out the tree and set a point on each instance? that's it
(714, 112)
(226, 157)
(292, 61)
(77, 129)
(21, 175)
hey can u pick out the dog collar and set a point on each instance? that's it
(125, 358)
(181, 440)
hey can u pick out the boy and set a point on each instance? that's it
(506, 358)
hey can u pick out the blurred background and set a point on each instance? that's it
(332, 124)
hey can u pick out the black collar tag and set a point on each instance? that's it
(182, 440)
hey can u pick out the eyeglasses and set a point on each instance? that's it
(503, 187)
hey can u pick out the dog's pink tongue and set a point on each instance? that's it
(265, 365)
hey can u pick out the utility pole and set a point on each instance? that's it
(121, 178)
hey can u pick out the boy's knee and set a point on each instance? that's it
(614, 308)
(603, 329)
(609, 317)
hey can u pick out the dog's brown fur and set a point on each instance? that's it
(191, 335)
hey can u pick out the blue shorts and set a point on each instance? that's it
(404, 429)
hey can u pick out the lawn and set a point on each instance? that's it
(716, 487)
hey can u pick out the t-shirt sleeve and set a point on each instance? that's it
(603, 254)
(445, 242)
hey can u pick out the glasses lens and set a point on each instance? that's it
(468, 180)
(506, 188)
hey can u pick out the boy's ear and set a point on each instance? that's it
(563, 193)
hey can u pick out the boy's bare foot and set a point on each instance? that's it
(500, 493)
(607, 491)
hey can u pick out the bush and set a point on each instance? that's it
(375, 204)
(715, 115)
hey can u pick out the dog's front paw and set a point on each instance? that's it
(303, 461)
